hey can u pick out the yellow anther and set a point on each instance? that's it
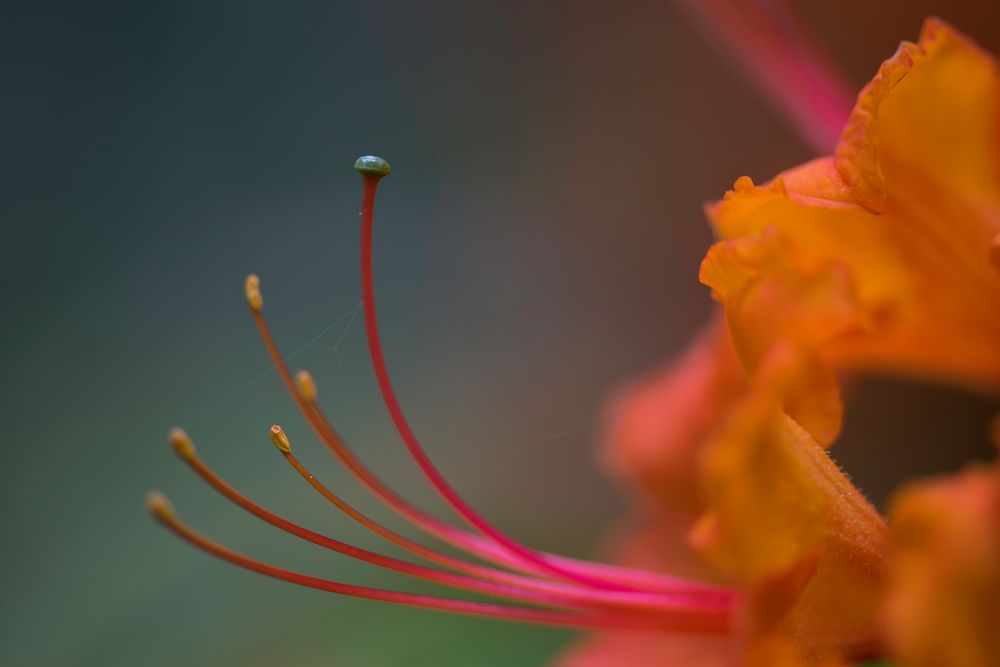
(252, 288)
(280, 440)
(182, 444)
(307, 386)
(159, 506)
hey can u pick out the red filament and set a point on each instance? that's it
(430, 471)
(467, 607)
(561, 591)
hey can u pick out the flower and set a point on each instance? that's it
(760, 550)
(883, 256)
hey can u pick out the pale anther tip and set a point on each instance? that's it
(372, 165)
(307, 386)
(158, 505)
(252, 290)
(181, 442)
(280, 440)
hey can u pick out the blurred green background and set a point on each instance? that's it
(537, 244)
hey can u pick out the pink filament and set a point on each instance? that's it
(430, 471)
(766, 40)
(358, 553)
(702, 601)
(468, 607)
(682, 615)
(612, 597)
(639, 580)
(650, 582)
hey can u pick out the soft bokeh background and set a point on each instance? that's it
(537, 244)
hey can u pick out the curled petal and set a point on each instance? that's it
(907, 210)
(775, 298)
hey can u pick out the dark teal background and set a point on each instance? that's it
(537, 244)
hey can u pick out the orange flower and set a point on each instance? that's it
(875, 258)
(883, 257)
(944, 601)
(878, 257)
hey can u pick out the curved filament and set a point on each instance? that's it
(165, 515)
(370, 185)
(775, 50)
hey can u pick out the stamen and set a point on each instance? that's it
(370, 181)
(188, 455)
(328, 435)
(280, 440)
(640, 580)
(162, 511)
(703, 601)
(307, 387)
(252, 291)
(159, 506)
(623, 598)
(182, 443)
(635, 579)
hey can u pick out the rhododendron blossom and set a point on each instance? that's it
(754, 547)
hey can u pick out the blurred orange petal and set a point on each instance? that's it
(883, 256)
(944, 601)
(656, 426)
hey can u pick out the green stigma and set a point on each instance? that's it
(372, 165)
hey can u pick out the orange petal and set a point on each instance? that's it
(944, 602)
(656, 426)
(857, 154)
(775, 499)
(775, 297)
(941, 123)
(765, 509)
(908, 211)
